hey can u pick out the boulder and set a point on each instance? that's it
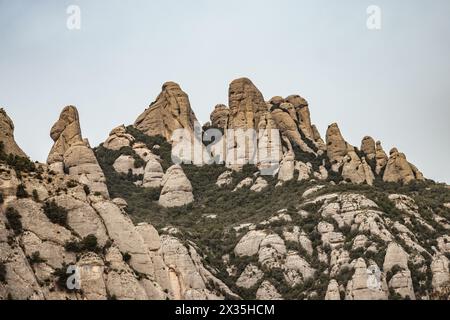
(225, 179)
(153, 174)
(176, 188)
(287, 167)
(246, 183)
(259, 185)
(124, 164)
(118, 139)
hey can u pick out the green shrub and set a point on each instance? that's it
(87, 190)
(35, 195)
(62, 276)
(2, 272)
(126, 257)
(345, 275)
(21, 192)
(71, 184)
(55, 213)
(89, 243)
(19, 164)
(1, 198)
(14, 220)
(36, 258)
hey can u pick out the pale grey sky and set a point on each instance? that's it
(392, 84)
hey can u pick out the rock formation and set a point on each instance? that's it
(220, 116)
(171, 111)
(176, 188)
(398, 169)
(7, 136)
(118, 138)
(65, 133)
(368, 147)
(336, 145)
(317, 233)
(70, 153)
(246, 104)
(381, 158)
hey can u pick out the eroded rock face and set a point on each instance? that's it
(356, 170)
(333, 291)
(368, 146)
(303, 115)
(287, 168)
(398, 169)
(249, 277)
(7, 135)
(20, 282)
(267, 292)
(359, 287)
(176, 188)
(247, 104)
(171, 111)
(8, 181)
(381, 158)
(81, 163)
(440, 270)
(220, 116)
(188, 278)
(250, 243)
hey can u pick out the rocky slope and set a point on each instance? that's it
(334, 222)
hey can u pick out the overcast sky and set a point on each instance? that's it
(392, 84)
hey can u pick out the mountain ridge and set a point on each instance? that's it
(333, 221)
